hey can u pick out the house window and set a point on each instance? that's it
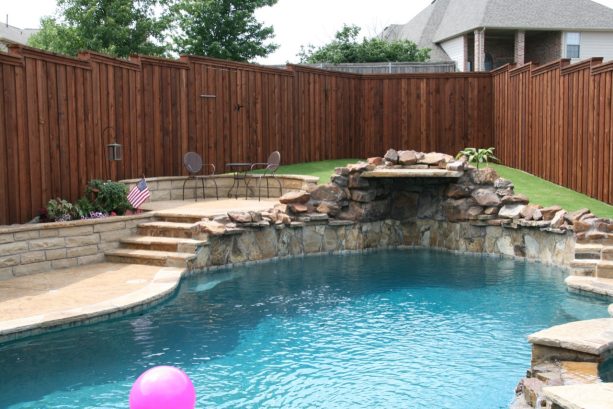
(573, 41)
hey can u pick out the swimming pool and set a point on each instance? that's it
(389, 329)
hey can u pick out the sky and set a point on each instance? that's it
(296, 22)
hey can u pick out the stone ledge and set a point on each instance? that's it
(70, 224)
(586, 396)
(412, 173)
(593, 337)
(601, 286)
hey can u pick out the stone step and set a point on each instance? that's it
(162, 243)
(584, 267)
(604, 269)
(169, 229)
(607, 253)
(178, 218)
(149, 257)
(605, 239)
(587, 251)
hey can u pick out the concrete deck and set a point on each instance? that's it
(35, 303)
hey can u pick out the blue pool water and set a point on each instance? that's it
(392, 329)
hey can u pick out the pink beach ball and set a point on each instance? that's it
(163, 387)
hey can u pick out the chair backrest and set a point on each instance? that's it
(192, 162)
(274, 160)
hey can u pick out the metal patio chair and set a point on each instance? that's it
(193, 163)
(270, 168)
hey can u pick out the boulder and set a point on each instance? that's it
(502, 183)
(456, 165)
(549, 212)
(537, 215)
(576, 215)
(298, 208)
(491, 211)
(528, 212)
(511, 211)
(391, 155)
(485, 176)
(512, 199)
(377, 161)
(558, 219)
(328, 192)
(435, 159)
(581, 226)
(339, 180)
(357, 182)
(407, 157)
(212, 227)
(474, 211)
(296, 196)
(456, 210)
(344, 171)
(459, 191)
(360, 167)
(329, 208)
(363, 196)
(240, 217)
(486, 197)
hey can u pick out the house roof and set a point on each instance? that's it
(445, 19)
(14, 34)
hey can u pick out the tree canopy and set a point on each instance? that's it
(224, 29)
(217, 28)
(115, 27)
(345, 48)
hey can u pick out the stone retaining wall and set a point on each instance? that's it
(251, 244)
(171, 188)
(36, 248)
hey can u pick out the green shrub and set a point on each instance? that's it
(61, 210)
(108, 196)
(478, 155)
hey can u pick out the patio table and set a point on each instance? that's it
(239, 170)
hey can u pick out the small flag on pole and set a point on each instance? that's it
(139, 194)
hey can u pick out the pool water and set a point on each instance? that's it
(390, 329)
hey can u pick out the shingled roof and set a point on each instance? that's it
(445, 19)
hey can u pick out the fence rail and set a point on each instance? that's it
(57, 114)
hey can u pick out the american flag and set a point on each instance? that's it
(139, 194)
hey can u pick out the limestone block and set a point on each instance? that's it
(160, 195)
(55, 254)
(14, 247)
(94, 258)
(76, 231)
(6, 238)
(49, 243)
(32, 257)
(6, 273)
(32, 268)
(76, 241)
(81, 251)
(9, 261)
(27, 235)
(49, 233)
(64, 263)
(164, 185)
(103, 227)
(113, 235)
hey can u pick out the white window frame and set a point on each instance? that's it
(572, 39)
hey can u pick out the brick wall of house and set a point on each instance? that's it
(543, 47)
(502, 50)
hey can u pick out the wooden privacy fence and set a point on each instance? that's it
(555, 121)
(57, 114)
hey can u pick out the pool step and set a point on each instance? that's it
(175, 244)
(178, 218)
(149, 257)
(170, 229)
(584, 267)
(587, 251)
(604, 269)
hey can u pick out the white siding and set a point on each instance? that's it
(455, 50)
(596, 44)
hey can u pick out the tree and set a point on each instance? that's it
(115, 27)
(224, 29)
(345, 48)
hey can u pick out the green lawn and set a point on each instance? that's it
(538, 190)
(322, 169)
(546, 193)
